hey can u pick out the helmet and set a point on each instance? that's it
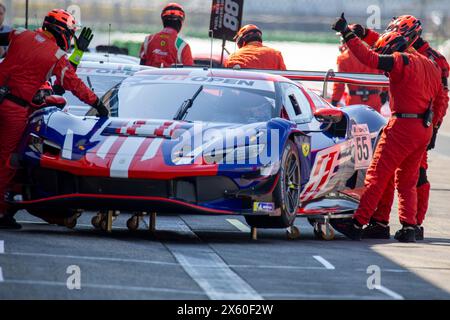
(62, 25)
(173, 11)
(409, 26)
(246, 34)
(390, 42)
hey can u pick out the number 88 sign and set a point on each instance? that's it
(362, 146)
(226, 17)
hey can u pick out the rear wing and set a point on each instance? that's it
(362, 79)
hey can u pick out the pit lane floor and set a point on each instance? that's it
(203, 257)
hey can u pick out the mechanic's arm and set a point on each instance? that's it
(370, 37)
(387, 63)
(65, 74)
(440, 105)
(186, 56)
(82, 43)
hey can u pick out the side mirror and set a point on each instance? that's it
(55, 101)
(329, 115)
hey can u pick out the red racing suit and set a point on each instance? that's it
(33, 57)
(415, 82)
(370, 96)
(382, 213)
(165, 48)
(255, 55)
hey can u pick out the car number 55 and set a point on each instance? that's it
(362, 146)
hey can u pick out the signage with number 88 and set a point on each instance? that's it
(230, 19)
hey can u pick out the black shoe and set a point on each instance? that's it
(9, 222)
(419, 233)
(348, 227)
(376, 230)
(406, 234)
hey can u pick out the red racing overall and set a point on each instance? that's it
(383, 210)
(414, 83)
(33, 57)
(255, 55)
(165, 48)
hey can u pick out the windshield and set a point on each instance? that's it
(214, 103)
(100, 84)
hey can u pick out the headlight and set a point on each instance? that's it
(234, 155)
(43, 146)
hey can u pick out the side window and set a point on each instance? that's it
(319, 102)
(296, 104)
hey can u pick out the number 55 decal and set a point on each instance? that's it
(362, 146)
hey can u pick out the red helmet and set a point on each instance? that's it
(62, 25)
(390, 42)
(409, 26)
(246, 34)
(173, 11)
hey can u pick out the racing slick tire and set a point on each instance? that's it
(286, 194)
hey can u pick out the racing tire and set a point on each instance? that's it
(286, 194)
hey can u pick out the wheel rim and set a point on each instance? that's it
(292, 183)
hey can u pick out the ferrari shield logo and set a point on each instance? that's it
(306, 149)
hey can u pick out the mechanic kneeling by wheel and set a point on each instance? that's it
(33, 57)
(407, 134)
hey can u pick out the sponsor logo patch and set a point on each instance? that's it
(263, 207)
(306, 148)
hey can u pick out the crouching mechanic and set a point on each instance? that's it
(165, 48)
(407, 134)
(252, 54)
(34, 56)
(347, 62)
(411, 28)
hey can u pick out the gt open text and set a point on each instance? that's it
(226, 310)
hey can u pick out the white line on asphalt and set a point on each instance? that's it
(208, 269)
(272, 296)
(2, 246)
(242, 227)
(1, 275)
(325, 263)
(389, 292)
(46, 255)
(105, 286)
(124, 260)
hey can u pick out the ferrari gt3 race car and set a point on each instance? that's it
(208, 141)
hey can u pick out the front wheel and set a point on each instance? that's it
(286, 194)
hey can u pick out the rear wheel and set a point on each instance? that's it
(286, 194)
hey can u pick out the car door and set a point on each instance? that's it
(330, 149)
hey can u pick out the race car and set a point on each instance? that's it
(100, 77)
(209, 141)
